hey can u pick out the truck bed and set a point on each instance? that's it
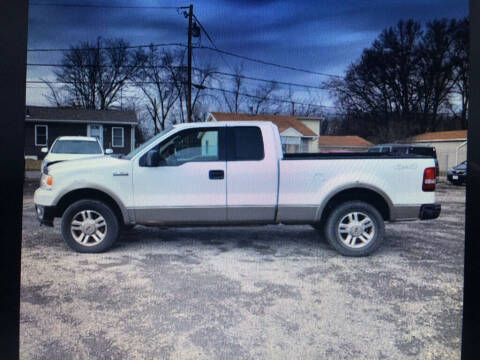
(351, 155)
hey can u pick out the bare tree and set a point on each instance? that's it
(156, 80)
(402, 82)
(437, 69)
(202, 80)
(93, 74)
(301, 105)
(462, 67)
(232, 97)
(263, 98)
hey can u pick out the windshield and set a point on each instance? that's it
(146, 144)
(76, 147)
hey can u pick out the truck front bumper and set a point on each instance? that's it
(43, 206)
(430, 211)
(45, 214)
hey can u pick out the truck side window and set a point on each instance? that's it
(192, 145)
(245, 143)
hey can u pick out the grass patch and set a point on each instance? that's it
(31, 164)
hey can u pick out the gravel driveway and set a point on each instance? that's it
(264, 292)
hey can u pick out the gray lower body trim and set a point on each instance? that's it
(251, 214)
(181, 215)
(405, 212)
(210, 215)
(296, 214)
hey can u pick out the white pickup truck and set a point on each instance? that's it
(233, 173)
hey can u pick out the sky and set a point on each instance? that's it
(319, 35)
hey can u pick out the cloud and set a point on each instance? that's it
(324, 35)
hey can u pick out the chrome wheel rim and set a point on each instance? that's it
(88, 228)
(356, 230)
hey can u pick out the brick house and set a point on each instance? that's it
(114, 128)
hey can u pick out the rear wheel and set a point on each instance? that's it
(90, 226)
(355, 228)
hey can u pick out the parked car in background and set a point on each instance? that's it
(404, 149)
(457, 174)
(71, 148)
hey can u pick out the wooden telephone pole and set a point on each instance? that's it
(189, 65)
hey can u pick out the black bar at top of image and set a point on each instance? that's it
(13, 46)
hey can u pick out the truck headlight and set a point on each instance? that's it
(46, 181)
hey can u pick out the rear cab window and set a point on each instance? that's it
(245, 143)
(425, 151)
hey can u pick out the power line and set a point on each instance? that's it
(270, 81)
(196, 69)
(268, 99)
(106, 6)
(266, 62)
(202, 87)
(109, 48)
(211, 41)
(197, 47)
(86, 82)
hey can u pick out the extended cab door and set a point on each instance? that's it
(189, 185)
(252, 179)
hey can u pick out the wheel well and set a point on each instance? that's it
(83, 194)
(369, 196)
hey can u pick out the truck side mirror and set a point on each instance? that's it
(153, 159)
(108, 151)
(44, 150)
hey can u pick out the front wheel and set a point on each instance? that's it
(90, 226)
(355, 228)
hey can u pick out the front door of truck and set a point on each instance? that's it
(189, 184)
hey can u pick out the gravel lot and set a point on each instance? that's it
(266, 292)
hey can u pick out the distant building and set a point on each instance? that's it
(115, 129)
(343, 143)
(451, 146)
(294, 135)
(312, 122)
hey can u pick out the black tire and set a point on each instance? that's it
(111, 228)
(359, 248)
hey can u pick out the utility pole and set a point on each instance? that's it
(189, 70)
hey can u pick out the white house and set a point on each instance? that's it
(451, 146)
(294, 135)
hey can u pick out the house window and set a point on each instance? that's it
(117, 137)
(41, 135)
(291, 144)
(304, 145)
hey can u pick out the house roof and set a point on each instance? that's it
(351, 140)
(283, 122)
(441, 135)
(76, 115)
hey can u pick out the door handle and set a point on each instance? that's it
(120, 173)
(216, 174)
